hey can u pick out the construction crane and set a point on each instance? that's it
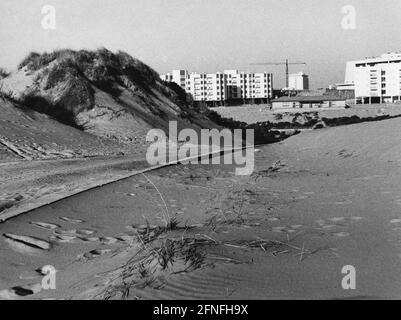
(286, 63)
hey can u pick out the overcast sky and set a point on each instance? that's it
(209, 35)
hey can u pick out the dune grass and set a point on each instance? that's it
(3, 73)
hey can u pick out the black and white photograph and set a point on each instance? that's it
(226, 151)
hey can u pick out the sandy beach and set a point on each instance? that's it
(313, 205)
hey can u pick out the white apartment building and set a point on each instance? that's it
(298, 81)
(223, 86)
(376, 79)
(216, 87)
(249, 85)
(262, 86)
(207, 87)
(168, 77)
(177, 76)
(234, 84)
(196, 86)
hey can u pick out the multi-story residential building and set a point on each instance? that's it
(298, 81)
(234, 84)
(216, 87)
(207, 87)
(262, 86)
(224, 86)
(196, 86)
(177, 76)
(168, 77)
(376, 79)
(252, 85)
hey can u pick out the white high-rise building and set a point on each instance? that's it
(298, 81)
(376, 79)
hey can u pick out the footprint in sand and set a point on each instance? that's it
(99, 252)
(93, 254)
(90, 239)
(44, 225)
(126, 237)
(71, 220)
(22, 291)
(86, 231)
(197, 225)
(356, 218)
(108, 240)
(341, 234)
(66, 232)
(64, 238)
(68, 236)
(337, 219)
(395, 221)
